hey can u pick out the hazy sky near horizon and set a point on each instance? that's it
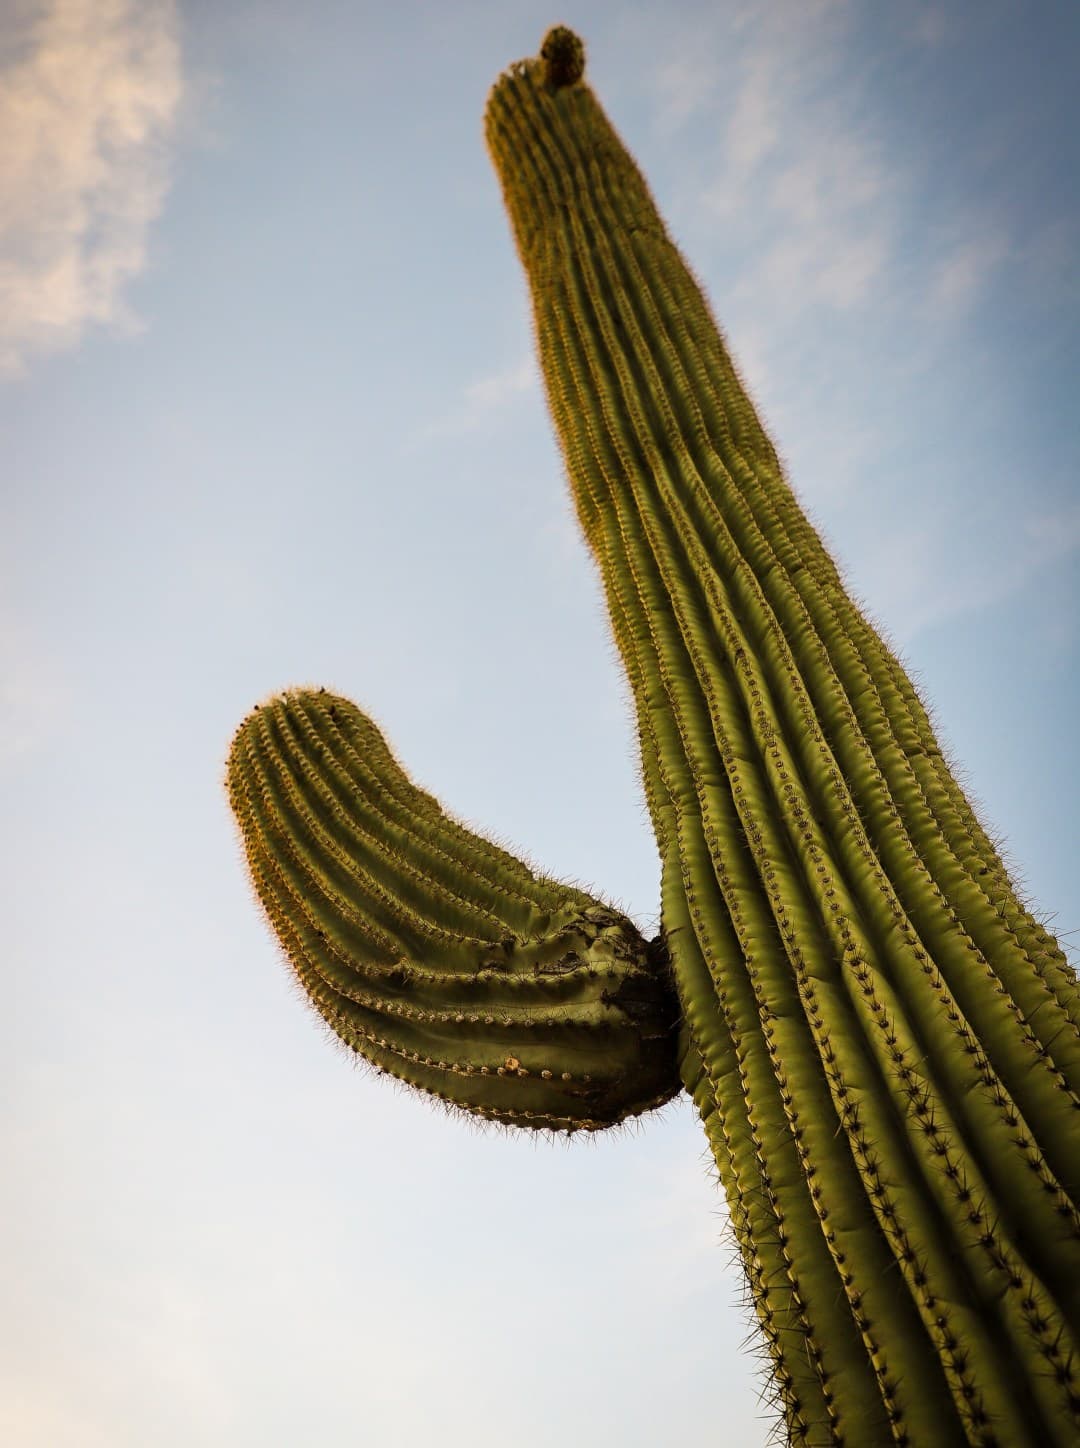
(271, 416)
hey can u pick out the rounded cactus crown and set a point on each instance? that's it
(563, 54)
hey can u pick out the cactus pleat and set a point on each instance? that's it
(439, 957)
(882, 1042)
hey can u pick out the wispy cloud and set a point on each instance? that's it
(820, 265)
(921, 578)
(683, 85)
(89, 95)
(964, 271)
(485, 398)
(753, 129)
(835, 246)
(489, 393)
(797, 190)
(821, 188)
(797, 201)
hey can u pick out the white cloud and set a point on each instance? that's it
(489, 393)
(753, 128)
(684, 84)
(823, 265)
(921, 577)
(89, 94)
(837, 174)
(963, 273)
(484, 398)
(750, 134)
(798, 184)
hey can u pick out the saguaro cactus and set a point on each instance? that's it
(883, 1044)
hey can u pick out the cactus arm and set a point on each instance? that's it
(442, 959)
(910, 1100)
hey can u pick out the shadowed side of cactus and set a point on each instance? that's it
(883, 1044)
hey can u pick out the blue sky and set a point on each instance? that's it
(271, 416)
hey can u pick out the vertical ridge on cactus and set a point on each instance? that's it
(882, 1042)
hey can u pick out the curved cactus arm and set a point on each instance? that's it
(442, 959)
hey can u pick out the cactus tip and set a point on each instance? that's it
(563, 55)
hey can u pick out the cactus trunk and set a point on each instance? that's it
(883, 1044)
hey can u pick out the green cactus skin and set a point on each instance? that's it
(883, 1044)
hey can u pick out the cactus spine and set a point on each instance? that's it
(884, 1046)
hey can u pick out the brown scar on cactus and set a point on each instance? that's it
(882, 1042)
